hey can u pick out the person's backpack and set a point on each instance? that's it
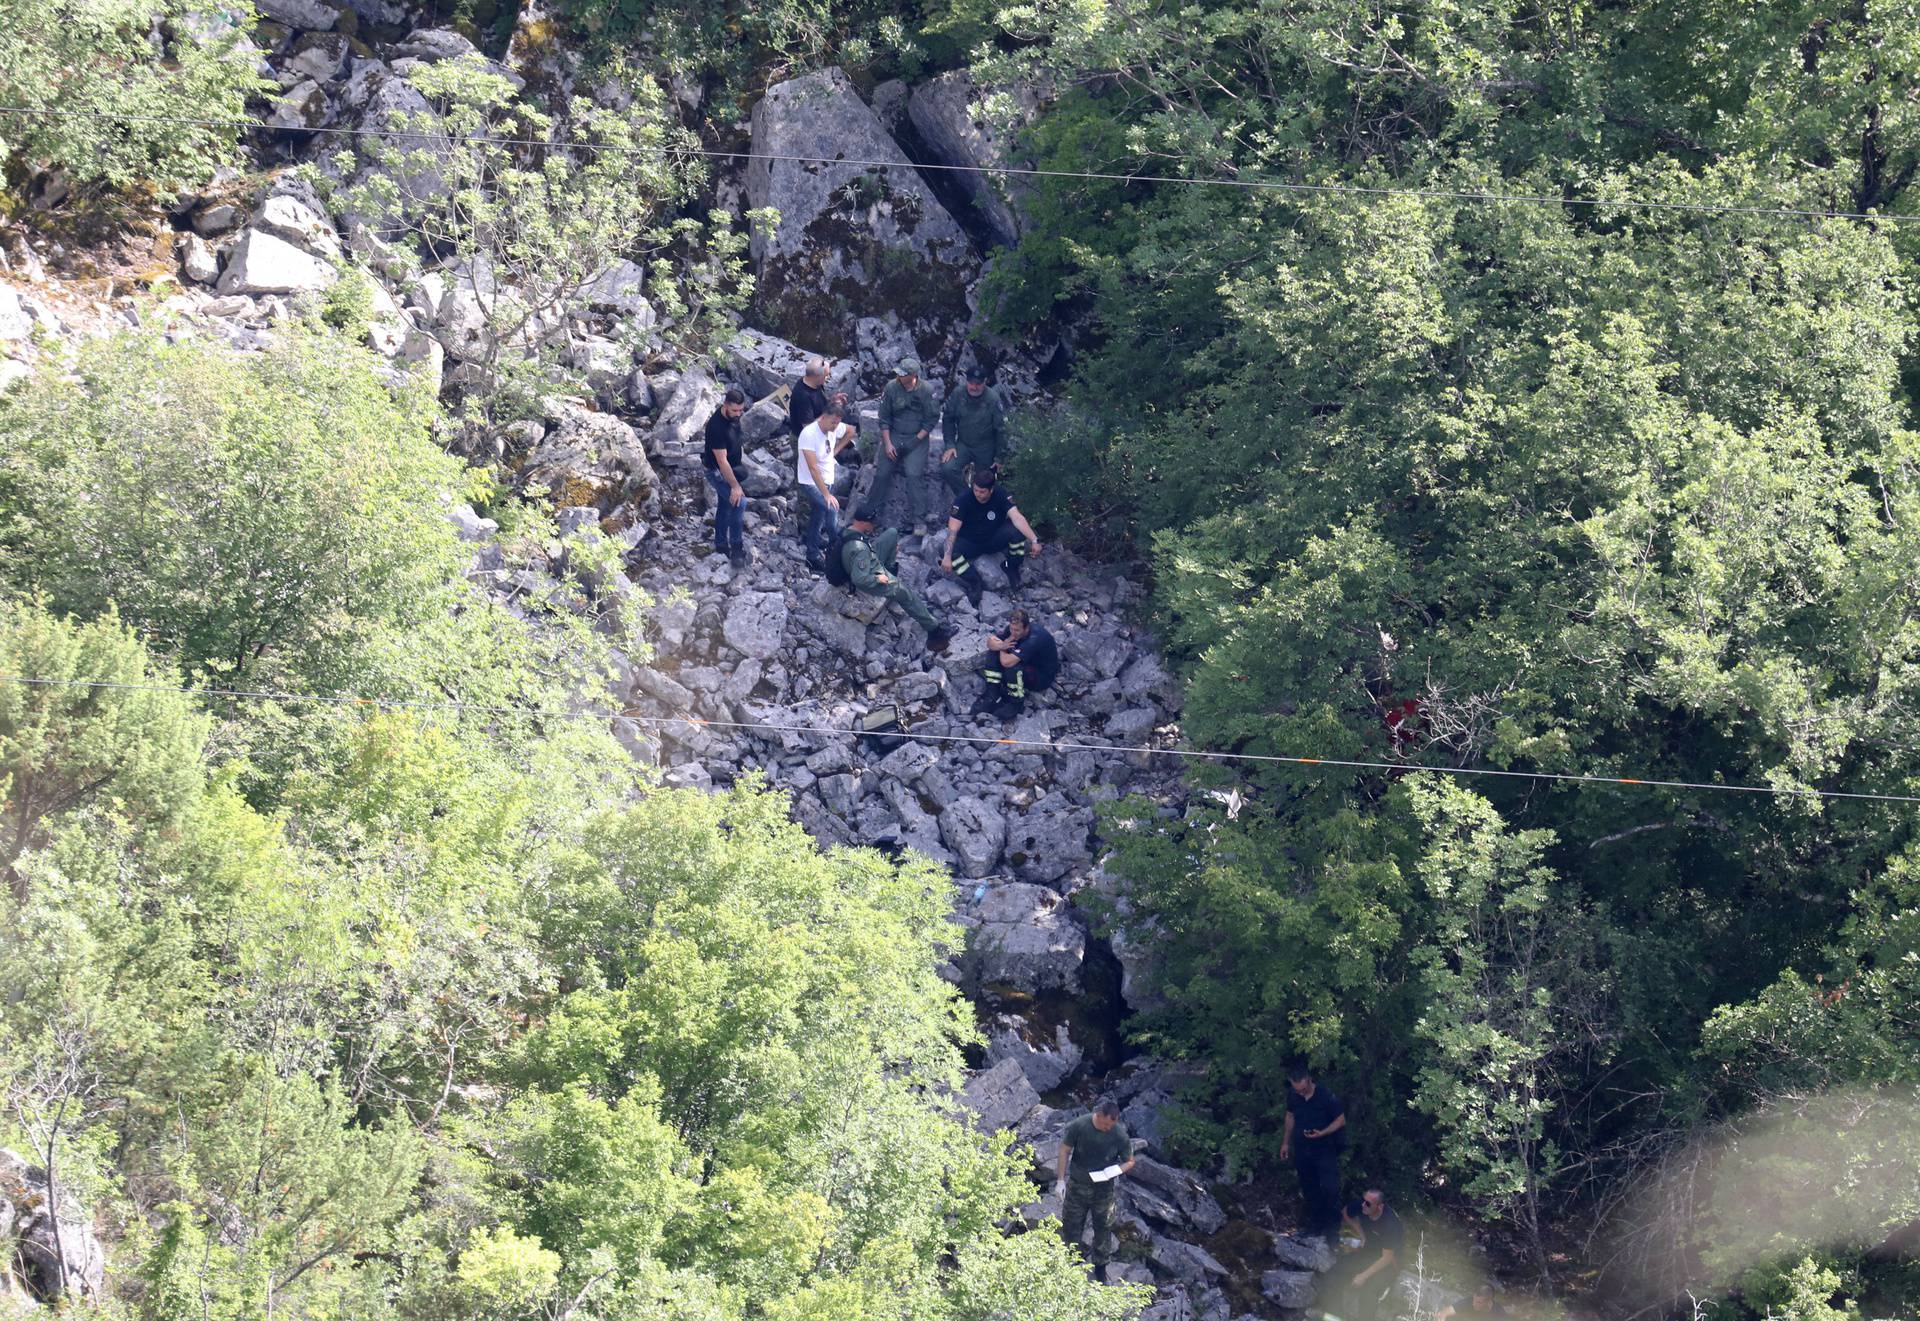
(879, 730)
(836, 566)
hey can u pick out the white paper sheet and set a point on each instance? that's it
(1101, 1176)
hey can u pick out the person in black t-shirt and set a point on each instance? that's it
(721, 457)
(985, 521)
(1025, 661)
(808, 397)
(1314, 1135)
(1362, 1279)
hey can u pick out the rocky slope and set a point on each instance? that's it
(768, 668)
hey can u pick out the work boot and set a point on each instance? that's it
(971, 586)
(739, 558)
(938, 639)
(985, 702)
(1009, 708)
(1016, 565)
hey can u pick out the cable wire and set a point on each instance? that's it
(1259, 184)
(1040, 745)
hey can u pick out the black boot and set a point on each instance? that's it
(970, 583)
(1016, 565)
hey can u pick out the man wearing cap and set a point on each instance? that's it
(985, 521)
(973, 430)
(907, 415)
(873, 568)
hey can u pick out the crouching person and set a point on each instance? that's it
(983, 522)
(870, 565)
(1024, 661)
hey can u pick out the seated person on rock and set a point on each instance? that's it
(870, 564)
(985, 521)
(1091, 1149)
(1360, 1282)
(1025, 661)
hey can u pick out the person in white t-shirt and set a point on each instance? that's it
(821, 441)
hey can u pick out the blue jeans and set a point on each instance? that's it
(729, 519)
(822, 524)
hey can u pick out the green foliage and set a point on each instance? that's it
(464, 1027)
(523, 227)
(247, 514)
(164, 62)
(740, 45)
(1577, 488)
(95, 725)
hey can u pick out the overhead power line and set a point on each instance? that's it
(1037, 745)
(1255, 184)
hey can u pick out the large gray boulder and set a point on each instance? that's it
(264, 264)
(309, 15)
(761, 364)
(1047, 841)
(1174, 1197)
(975, 832)
(588, 459)
(1022, 936)
(59, 1254)
(1047, 1062)
(14, 321)
(755, 624)
(859, 235)
(951, 116)
(1000, 1097)
(1292, 1290)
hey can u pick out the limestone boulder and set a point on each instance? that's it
(957, 128)
(1292, 1290)
(760, 364)
(1000, 1097)
(262, 263)
(975, 833)
(59, 1255)
(306, 15)
(755, 624)
(587, 458)
(1021, 936)
(860, 232)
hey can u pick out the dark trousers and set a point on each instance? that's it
(1356, 1302)
(822, 524)
(1011, 684)
(1084, 1202)
(1320, 1190)
(970, 546)
(729, 519)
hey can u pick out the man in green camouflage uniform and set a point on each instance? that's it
(873, 568)
(973, 429)
(907, 416)
(1092, 1144)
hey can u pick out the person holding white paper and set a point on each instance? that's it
(1095, 1151)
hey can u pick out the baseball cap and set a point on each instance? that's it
(908, 367)
(977, 374)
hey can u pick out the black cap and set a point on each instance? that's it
(977, 374)
(866, 514)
